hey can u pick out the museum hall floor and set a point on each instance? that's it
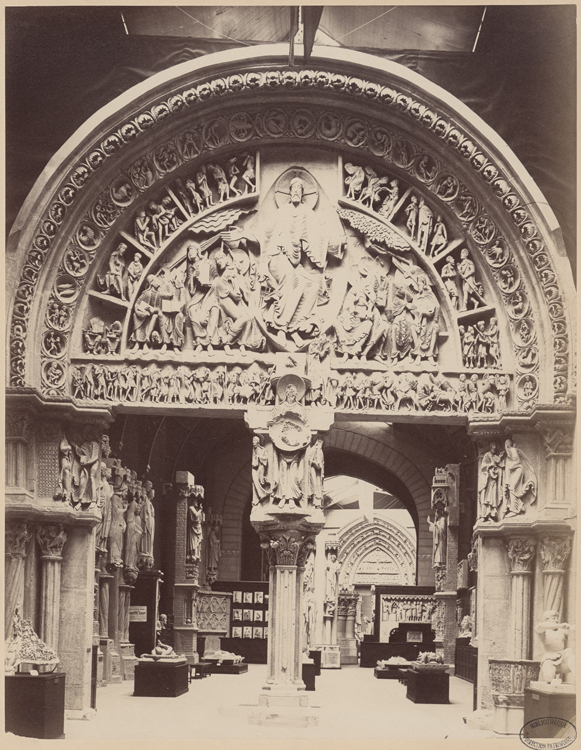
(352, 704)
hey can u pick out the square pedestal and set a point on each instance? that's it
(315, 655)
(330, 657)
(428, 687)
(309, 672)
(158, 679)
(388, 673)
(35, 705)
(541, 703)
(228, 668)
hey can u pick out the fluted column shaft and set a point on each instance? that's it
(521, 552)
(17, 535)
(51, 539)
(554, 553)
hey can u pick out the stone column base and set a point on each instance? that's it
(509, 714)
(284, 709)
(348, 651)
(116, 670)
(330, 656)
(128, 660)
(106, 646)
(100, 667)
(185, 641)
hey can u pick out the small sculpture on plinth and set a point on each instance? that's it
(163, 652)
(557, 661)
(24, 646)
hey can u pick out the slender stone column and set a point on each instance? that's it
(558, 443)
(51, 539)
(17, 537)
(521, 552)
(554, 552)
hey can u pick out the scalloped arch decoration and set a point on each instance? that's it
(62, 206)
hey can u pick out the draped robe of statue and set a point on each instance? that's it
(520, 479)
(105, 495)
(148, 526)
(86, 472)
(195, 532)
(490, 484)
(438, 527)
(132, 534)
(116, 530)
(296, 245)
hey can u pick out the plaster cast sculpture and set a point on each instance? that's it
(490, 484)
(471, 291)
(223, 657)
(466, 627)
(147, 512)
(520, 480)
(557, 661)
(112, 283)
(23, 646)
(104, 504)
(449, 276)
(117, 528)
(195, 531)
(214, 548)
(145, 314)
(332, 572)
(260, 479)
(161, 652)
(438, 527)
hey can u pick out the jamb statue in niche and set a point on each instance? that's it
(195, 530)
(438, 527)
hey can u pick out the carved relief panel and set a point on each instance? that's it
(174, 263)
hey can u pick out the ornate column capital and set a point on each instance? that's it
(17, 534)
(554, 552)
(51, 538)
(287, 546)
(19, 426)
(521, 552)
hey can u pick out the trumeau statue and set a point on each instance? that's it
(195, 530)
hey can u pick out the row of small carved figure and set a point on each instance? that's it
(382, 391)
(182, 385)
(408, 610)
(154, 225)
(428, 392)
(365, 187)
(480, 347)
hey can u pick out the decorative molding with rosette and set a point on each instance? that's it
(210, 110)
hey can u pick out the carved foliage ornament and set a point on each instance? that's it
(357, 131)
(558, 440)
(51, 539)
(17, 535)
(554, 553)
(521, 552)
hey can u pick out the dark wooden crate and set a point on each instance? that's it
(35, 705)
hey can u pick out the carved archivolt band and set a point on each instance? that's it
(241, 128)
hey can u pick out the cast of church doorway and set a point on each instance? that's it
(361, 520)
(360, 517)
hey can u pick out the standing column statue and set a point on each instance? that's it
(438, 527)
(195, 531)
(147, 512)
(490, 483)
(520, 480)
(331, 574)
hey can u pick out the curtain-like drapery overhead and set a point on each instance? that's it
(64, 63)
